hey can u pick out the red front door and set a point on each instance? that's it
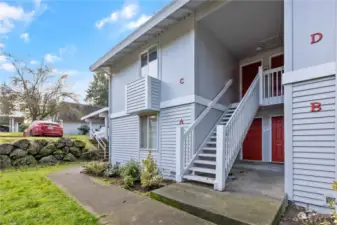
(248, 74)
(277, 139)
(252, 145)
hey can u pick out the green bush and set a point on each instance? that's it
(23, 127)
(83, 129)
(112, 171)
(150, 176)
(95, 168)
(130, 172)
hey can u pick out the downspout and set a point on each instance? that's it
(109, 114)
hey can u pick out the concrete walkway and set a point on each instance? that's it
(118, 206)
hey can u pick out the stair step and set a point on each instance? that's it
(202, 170)
(199, 179)
(211, 142)
(207, 155)
(209, 148)
(205, 162)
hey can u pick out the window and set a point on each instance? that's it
(148, 132)
(149, 63)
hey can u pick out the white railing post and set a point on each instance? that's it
(219, 184)
(179, 153)
(261, 84)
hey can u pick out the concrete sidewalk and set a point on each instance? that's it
(118, 206)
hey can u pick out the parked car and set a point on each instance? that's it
(44, 128)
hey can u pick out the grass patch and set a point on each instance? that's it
(27, 197)
(10, 137)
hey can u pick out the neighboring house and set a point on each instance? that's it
(10, 123)
(200, 86)
(70, 115)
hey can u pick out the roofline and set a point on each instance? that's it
(95, 113)
(153, 21)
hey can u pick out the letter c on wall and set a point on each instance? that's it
(182, 81)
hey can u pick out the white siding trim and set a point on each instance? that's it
(188, 100)
(118, 114)
(288, 142)
(288, 36)
(313, 72)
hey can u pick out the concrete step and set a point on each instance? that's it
(209, 148)
(211, 143)
(204, 162)
(222, 207)
(201, 179)
(202, 170)
(207, 155)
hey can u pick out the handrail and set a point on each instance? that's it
(209, 107)
(247, 94)
(100, 142)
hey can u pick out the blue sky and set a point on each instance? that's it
(69, 35)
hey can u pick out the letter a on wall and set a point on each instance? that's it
(316, 37)
(181, 122)
(316, 107)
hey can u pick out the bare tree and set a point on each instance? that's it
(38, 91)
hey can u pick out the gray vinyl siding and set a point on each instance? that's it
(169, 120)
(313, 141)
(135, 96)
(155, 93)
(125, 139)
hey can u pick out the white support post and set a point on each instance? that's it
(90, 126)
(16, 127)
(261, 84)
(219, 184)
(106, 126)
(179, 153)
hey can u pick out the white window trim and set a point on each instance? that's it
(148, 136)
(158, 60)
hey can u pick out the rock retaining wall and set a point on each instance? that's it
(32, 152)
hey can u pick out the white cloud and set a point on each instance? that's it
(137, 23)
(127, 12)
(25, 37)
(2, 45)
(51, 58)
(67, 50)
(7, 67)
(33, 62)
(9, 15)
(65, 71)
(2, 58)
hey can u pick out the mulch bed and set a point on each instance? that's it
(296, 215)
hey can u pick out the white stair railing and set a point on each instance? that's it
(184, 139)
(100, 142)
(272, 91)
(231, 136)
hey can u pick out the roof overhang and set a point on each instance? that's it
(106, 109)
(167, 16)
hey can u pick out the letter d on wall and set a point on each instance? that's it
(316, 37)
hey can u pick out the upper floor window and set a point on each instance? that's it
(149, 63)
(148, 131)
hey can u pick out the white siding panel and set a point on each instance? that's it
(125, 139)
(313, 140)
(169, 120)
(154, 154)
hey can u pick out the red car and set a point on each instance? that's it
(44, 128)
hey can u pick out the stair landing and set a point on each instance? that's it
(253, 197)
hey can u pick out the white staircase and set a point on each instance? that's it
(213, 161)
(203, 168)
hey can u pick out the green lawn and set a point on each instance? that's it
(9, 137)
(27, 197)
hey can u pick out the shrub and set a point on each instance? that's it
(23, 127)
(130, 172)
(83, 129)
(112, 171)
(95, 168)
(150, 176)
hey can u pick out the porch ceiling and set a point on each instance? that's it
(243, 26)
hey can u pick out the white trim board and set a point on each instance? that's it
(309, 73)
(190, 99)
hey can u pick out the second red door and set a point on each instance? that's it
(252, 145)
(277, 139)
